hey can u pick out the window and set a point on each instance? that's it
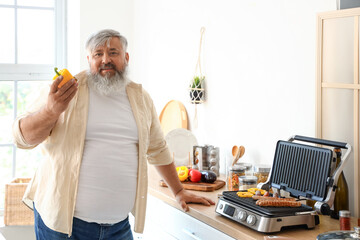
(32, 42)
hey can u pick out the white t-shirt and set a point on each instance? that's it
(108, 172)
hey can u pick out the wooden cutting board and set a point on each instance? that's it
(173, 116)
(200, 186)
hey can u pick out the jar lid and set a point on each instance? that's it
(262, 168)
(344, 213)
(237, 168)
(248, 179)
(247, 166)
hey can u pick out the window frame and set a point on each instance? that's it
(35, 72)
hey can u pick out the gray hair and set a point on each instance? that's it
(103, 37)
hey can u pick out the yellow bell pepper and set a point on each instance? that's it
(66, 76)
(253, 190)
(245, 194)
(183, 173)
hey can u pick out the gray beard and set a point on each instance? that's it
(108, 85)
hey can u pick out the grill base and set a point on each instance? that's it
(262, 222)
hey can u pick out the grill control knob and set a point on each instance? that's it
(251, 219)
(242, 215)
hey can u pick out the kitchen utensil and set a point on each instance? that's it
(302, 170)
(236, 157)
(234, 150)
(200, 186)
(242, 151)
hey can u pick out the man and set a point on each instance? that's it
(98, 133)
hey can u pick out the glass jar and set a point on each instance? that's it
(248, 167)
(233, 174)
(262, 173)
(344, 217)
(246, 182)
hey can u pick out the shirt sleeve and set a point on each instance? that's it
(158, 151)
(18, 137)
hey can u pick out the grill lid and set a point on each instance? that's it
(301, 170)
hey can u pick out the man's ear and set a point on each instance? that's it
(127, 57)
(87, 57)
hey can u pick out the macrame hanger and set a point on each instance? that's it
(198, 66)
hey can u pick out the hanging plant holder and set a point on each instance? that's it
(197, 91)
(196, 86)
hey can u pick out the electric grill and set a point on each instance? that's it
(303, 171)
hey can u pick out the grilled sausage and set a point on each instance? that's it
(278, 203)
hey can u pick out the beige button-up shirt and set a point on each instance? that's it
(53, 188)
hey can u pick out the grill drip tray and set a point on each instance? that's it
(264, 219)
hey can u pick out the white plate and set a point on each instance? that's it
(181, 142)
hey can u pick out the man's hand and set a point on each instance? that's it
(183, 197)
(59, 98)
(169, 174)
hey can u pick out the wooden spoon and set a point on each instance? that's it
(236, 157)
(242, 151)
(234, 150)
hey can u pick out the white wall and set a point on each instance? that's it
(259, 62)
(88, 16)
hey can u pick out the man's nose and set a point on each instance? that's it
(106, 59)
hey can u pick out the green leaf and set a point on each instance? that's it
(197, 82)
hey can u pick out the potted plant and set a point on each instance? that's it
(196, 89)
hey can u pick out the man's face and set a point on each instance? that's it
(106, 60)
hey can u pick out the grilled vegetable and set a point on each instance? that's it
(245, 194)
(255, 197)
(66, 76)
(254, 190)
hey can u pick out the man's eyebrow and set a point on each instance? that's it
(114, 49)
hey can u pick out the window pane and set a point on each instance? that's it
(27, 161)
(28, 91)
(37, 3)
(7, 2)
(35, 36)
(5, 171)
(6, 111)
(7, 39)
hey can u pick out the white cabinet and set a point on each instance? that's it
(164, 222)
